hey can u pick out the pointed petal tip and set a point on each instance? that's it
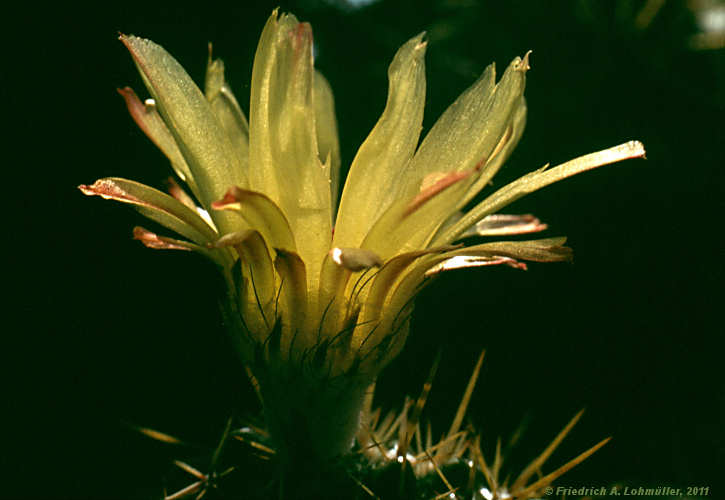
(625, 151)
(86, 189)
(125, 39)
(209, 49)
(421, 40)
(638, 149)
(524, 63)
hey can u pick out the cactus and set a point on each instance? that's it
(320, 292)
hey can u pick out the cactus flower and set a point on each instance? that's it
(320, 291)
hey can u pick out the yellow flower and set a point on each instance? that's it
(317, 312)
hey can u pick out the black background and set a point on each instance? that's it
(103, 332)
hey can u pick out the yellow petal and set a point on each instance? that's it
(157, 206)
(153, 240)
(262, 214)
(536, 180)
(227, 111)
(147, 118)
(504, 252)
(542, 250)
(370, 185)
(378, 290)
(327, 137)
(186, 112)
(258, 296)
(292, 308)
(466, 146)
(283, 144)
(409, 223)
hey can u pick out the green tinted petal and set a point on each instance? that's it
(472, 131)
(504, 252)
(258, 304)
(327, 137)
(370, 184)
(542, 250)
(382, 344)
(292, 308)
(398, 303)
(157, 206)
(378, 290)
(153, 240)
(331, 302)
(202, 141)
(451, 143)
(466, 146)
(538, 179)
(147, 118)
(231, 117)
(508, 141)
(409, 223)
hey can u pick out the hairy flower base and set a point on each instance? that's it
(392, 458)
(311, 418)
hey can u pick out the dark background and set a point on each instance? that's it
(104, 333)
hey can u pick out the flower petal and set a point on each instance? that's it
(203, 143)
(328, 142)
(331, 303)
(380, 287)
(472, 130)
(258, 299)
(409, 223)
(283, 140)
(470, 142)
(509, 139)
(467, 261)
(370, 185)
(156, 242)
(399, 300)
(147, 118)
(157, 206)
(542, 250)
(153, 240)
(293, 299)
(227, 111)
(538, 179)
(261, 214)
